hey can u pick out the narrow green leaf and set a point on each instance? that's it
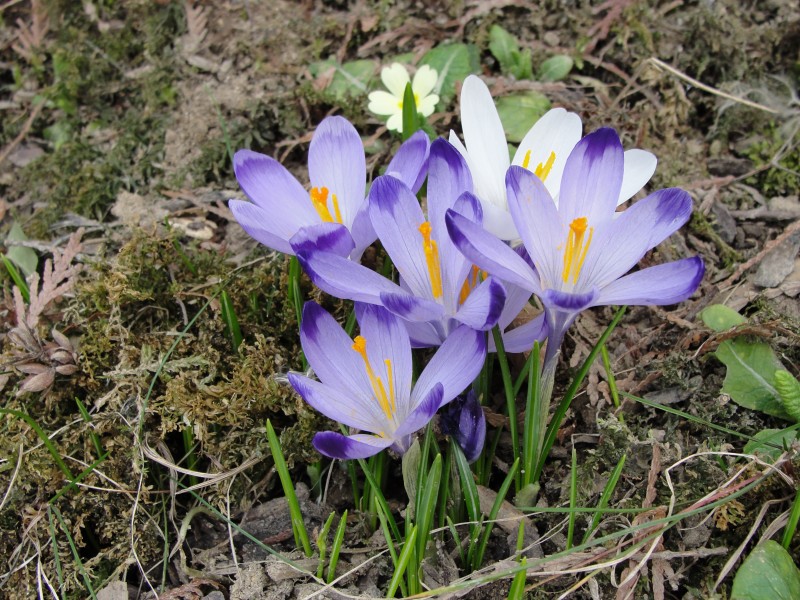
(18, 280)
(498, 501)
(410, 118)
(336, 547)
(427, 507)
(402, 562)
(25, 258)
(511, 404)
(410, 464)
(769, 573)
(769, 443)
(609, 488)
(231, 322)
(573, 497)
(298, 525)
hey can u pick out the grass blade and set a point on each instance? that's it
(573, 494)
(17, 278)
(511, 403)
(611, 485)
(336, 547)
(498, 501)
(402, 563)
(231, 322)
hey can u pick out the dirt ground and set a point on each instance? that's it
(118, 122)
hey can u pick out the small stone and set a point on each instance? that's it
(778, 264)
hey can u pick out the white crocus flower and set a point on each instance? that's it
(543, 150)
(395, 77)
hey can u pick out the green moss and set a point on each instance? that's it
(781, 174)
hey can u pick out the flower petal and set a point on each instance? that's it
(489, 253)
(270, 186)
(498, 221)
(329, 351)
(409, 164)
(344, 278)
(427, 105)
(383, 103)
(464, 421)
(422, 413)
(395, 122)
(425, 335)
(396, 217)
(568, 302)
(424, 81)
(483, 306)
(455, 365)
(592, 178)
(639, 168)
(362, 231)
(663, 284)
(336, 445)
(522, 338)
(485, 140)
(557, 132)
(448, 178)
(336, 161)
(389, 353)
(353, 410)
(455, 267)
(621, 243)
(263, 227)
(538, 222)
(395, 78)
(412, 308)
(325, 237)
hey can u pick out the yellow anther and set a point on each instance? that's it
(432, 259)
(576, 248)
(388, 407)
(527, 160)
(475, 276)
(319, 198)
(390, 381)
(542, 171)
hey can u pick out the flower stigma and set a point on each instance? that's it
(386, 402)
(577, 247)
(541, 170)
(432, 259)
(319, 198)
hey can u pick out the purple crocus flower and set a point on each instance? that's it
(439, 289)
(283, 216)
(366, 384)
(582, 248)
(464, 421)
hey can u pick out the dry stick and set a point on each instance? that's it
(660, 64)
(21, 135)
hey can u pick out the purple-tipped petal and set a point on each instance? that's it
(489, 253)
(464, 421)
(336, 161)
(455, 365)
(343, 278)
(270, 186)
(353, 410)
(623, 242)
(538, 221)
(396, 217)
(569, 302)
(423, 412)
(329, 351)
(522, 338)
(425, 335)
(411, 307)
(409, 164)
(483, 306)
(592, 178)
(336, 445)
(516, 299)
(258, 224)
(388, 350)
(448, 179)
(663, 284)
(455, 267)
(325, 237)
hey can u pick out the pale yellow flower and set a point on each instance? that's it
(395, 77)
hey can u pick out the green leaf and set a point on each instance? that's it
(519, 112)
(719, 317)
(789, 390)
(555, 68)
(350, 79)
(410, 464)
(453, 62)
(24, 258)
(769, 573)
(503, 46)
(777, 437)
(750, 376)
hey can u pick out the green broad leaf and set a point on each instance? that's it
(555, 68)
(750, 377)
(769, 573)
(518, 113)
(453, 62)
(505, 48)
(766, 440)
(719, 317)
(410, 466)
(349, 80)
(24, 258)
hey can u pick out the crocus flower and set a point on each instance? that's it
(582, 248)
(333, 213)
(366, 384)
(543, 150)
(464, 421)
(439, 289)
(395, 78)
